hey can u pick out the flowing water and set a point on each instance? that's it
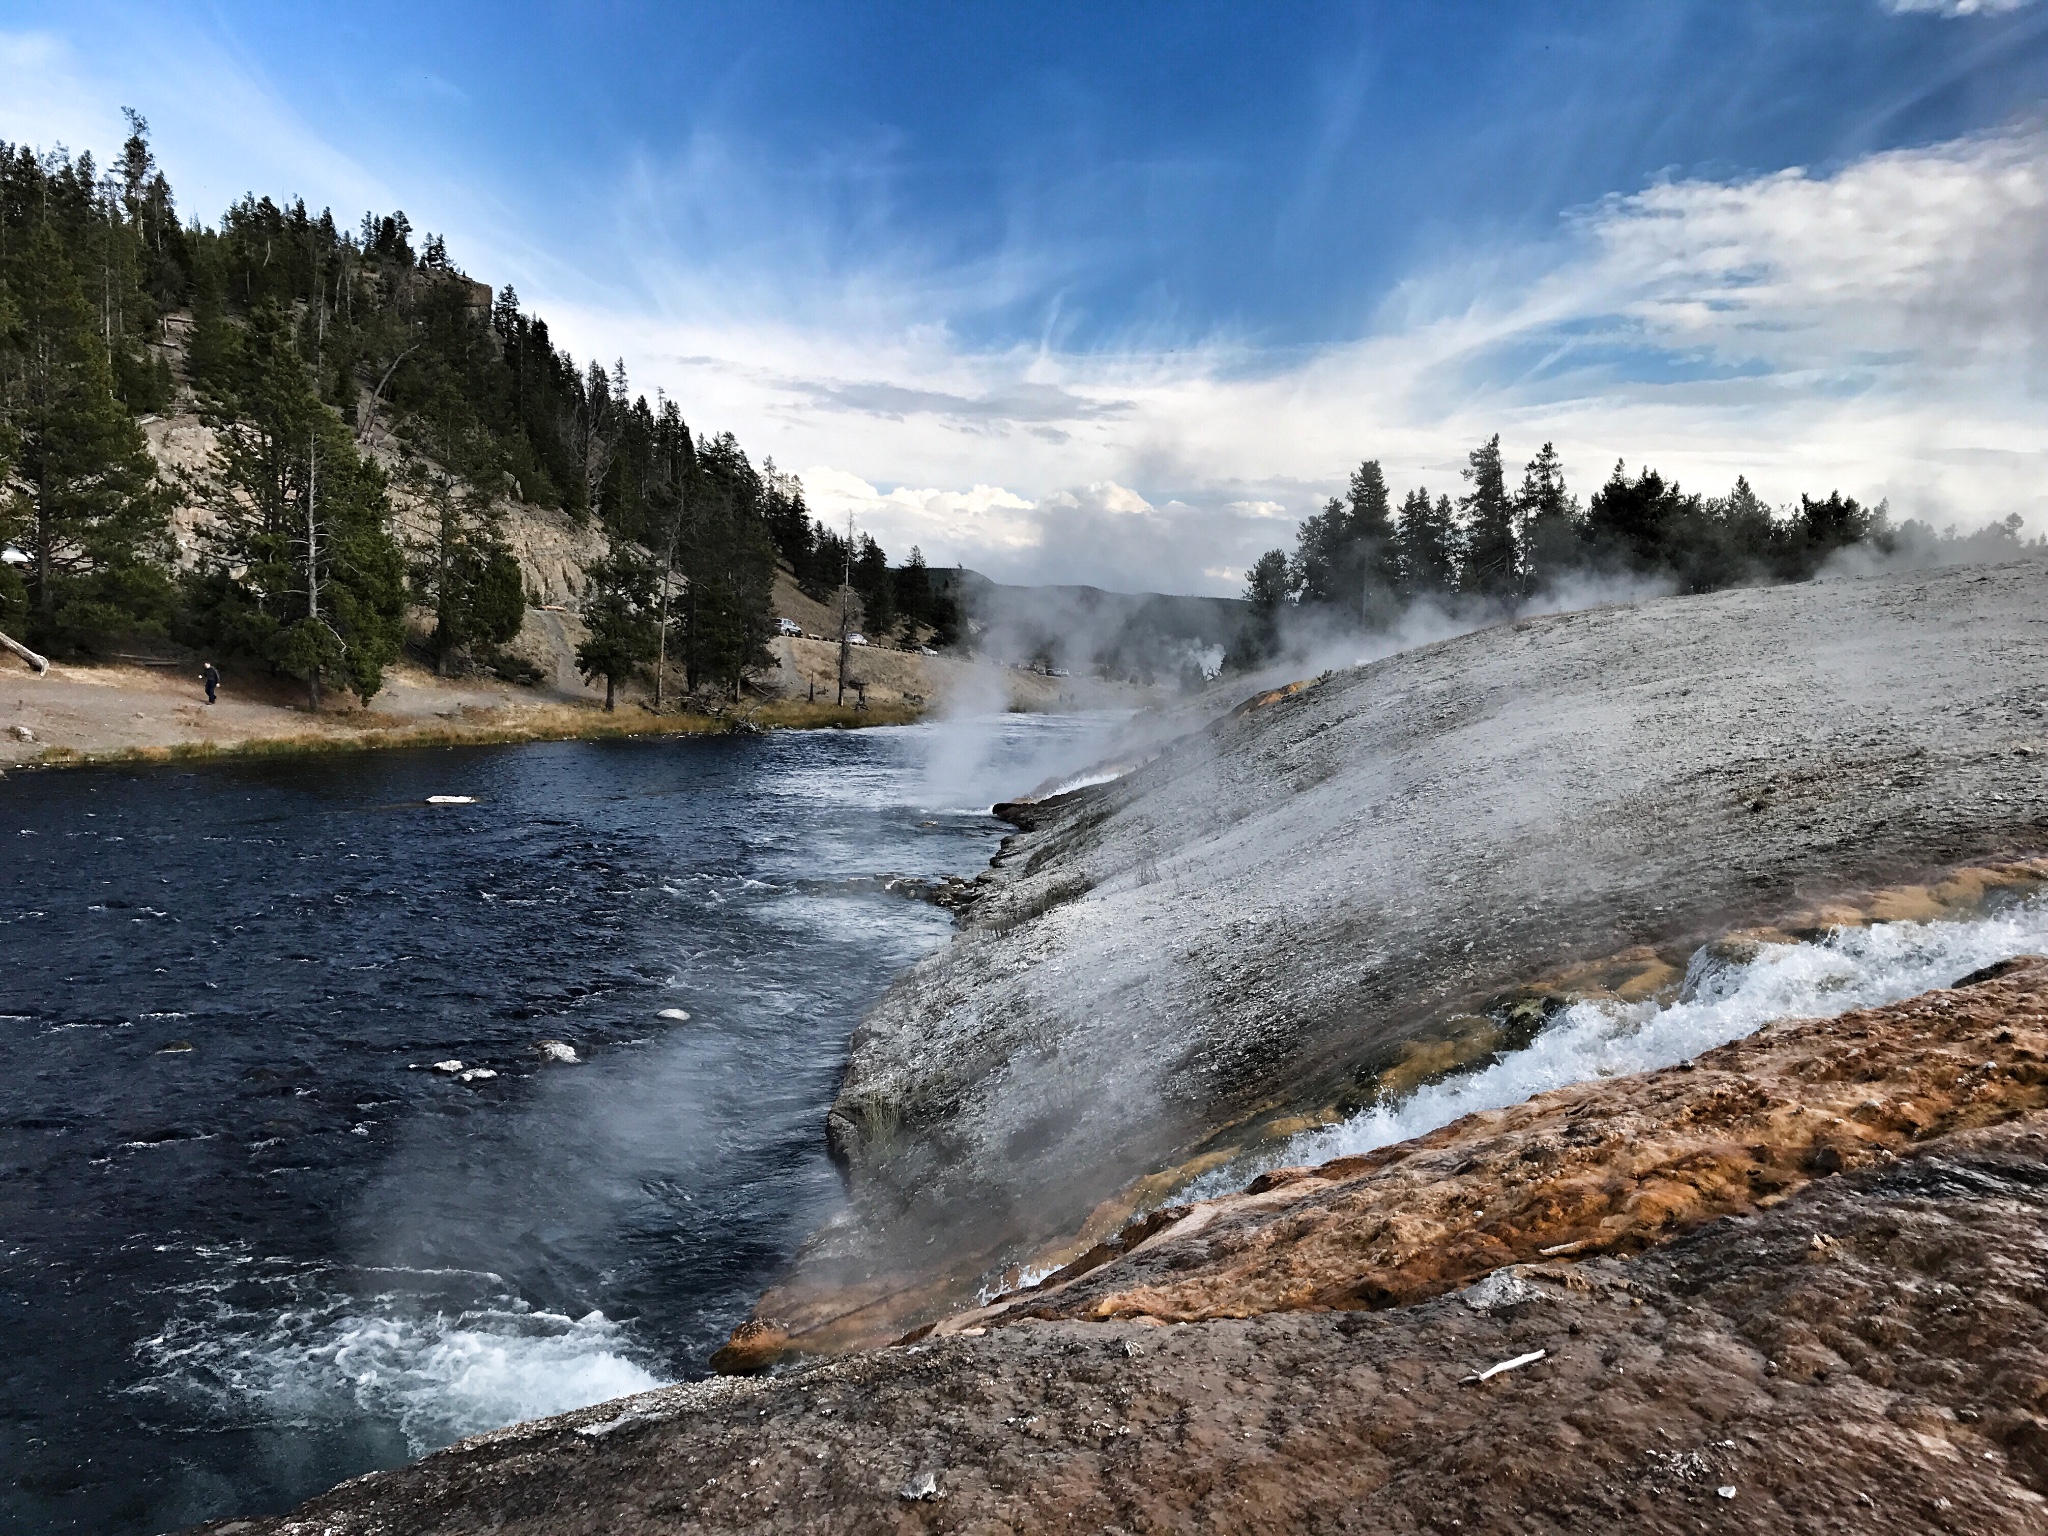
(258, 1232)
(1720, 1001)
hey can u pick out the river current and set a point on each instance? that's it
(258, 1234)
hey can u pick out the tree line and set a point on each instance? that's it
(1361, 562)
(302, 343)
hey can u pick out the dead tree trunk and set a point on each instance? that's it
(8, 643)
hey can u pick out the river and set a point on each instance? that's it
(256, 1240)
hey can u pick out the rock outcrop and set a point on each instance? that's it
(1311, 902)
(1848, 1343)
(1611, 1166)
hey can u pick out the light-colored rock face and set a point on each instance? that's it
(183, 447)
(1275, 911)
(553, 550)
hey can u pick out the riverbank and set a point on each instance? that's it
(1289, 913)
(133, 714)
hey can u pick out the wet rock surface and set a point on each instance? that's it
(1287, 910)
(1610, 1166)
(1870, 1354)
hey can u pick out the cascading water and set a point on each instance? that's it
(1719, 1002)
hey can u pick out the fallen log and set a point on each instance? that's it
(9, 643)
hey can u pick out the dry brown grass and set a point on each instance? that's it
(479, 727)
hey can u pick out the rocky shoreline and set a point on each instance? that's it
(1801, 1342)
(1311, 905)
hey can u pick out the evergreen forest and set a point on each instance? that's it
(1362, 562)
(308, 346)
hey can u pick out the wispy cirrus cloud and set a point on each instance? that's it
(1955, 7)
(1876, 326)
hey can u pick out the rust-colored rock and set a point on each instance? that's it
(1868, 1356)
(1603, 1167)
(755, 1345)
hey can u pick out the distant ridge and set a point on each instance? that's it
(1084, 626)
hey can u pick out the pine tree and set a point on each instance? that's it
(1750, 528)
(1428, 546)
(912, 581)
(214, 356)
(463, 569)
(1553, 540)
(96, 527)
(1375, 548)
(1637, 525)
(877, 590)
(619, 610)
(1265, 589)
(728, 565)
(1491, 568)
(1320, 573)
(300, 572)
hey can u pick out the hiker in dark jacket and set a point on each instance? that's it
(211, 678)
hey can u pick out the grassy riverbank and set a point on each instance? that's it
(100, 715)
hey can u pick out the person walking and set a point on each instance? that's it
(211, 677)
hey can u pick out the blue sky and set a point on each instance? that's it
(1117, 292)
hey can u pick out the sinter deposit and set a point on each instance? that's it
(1315, 905)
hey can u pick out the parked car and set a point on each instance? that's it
(788, 627)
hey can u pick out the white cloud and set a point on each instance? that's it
(943, 523)
(1956, 7)
(1878, 328)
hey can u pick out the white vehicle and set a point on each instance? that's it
(789, 627)
(856, 639)
(12, 556)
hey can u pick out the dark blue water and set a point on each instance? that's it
(253, 1241)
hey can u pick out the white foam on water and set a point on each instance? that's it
(1084, 781)
(436, 1376)
(1850, 968)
